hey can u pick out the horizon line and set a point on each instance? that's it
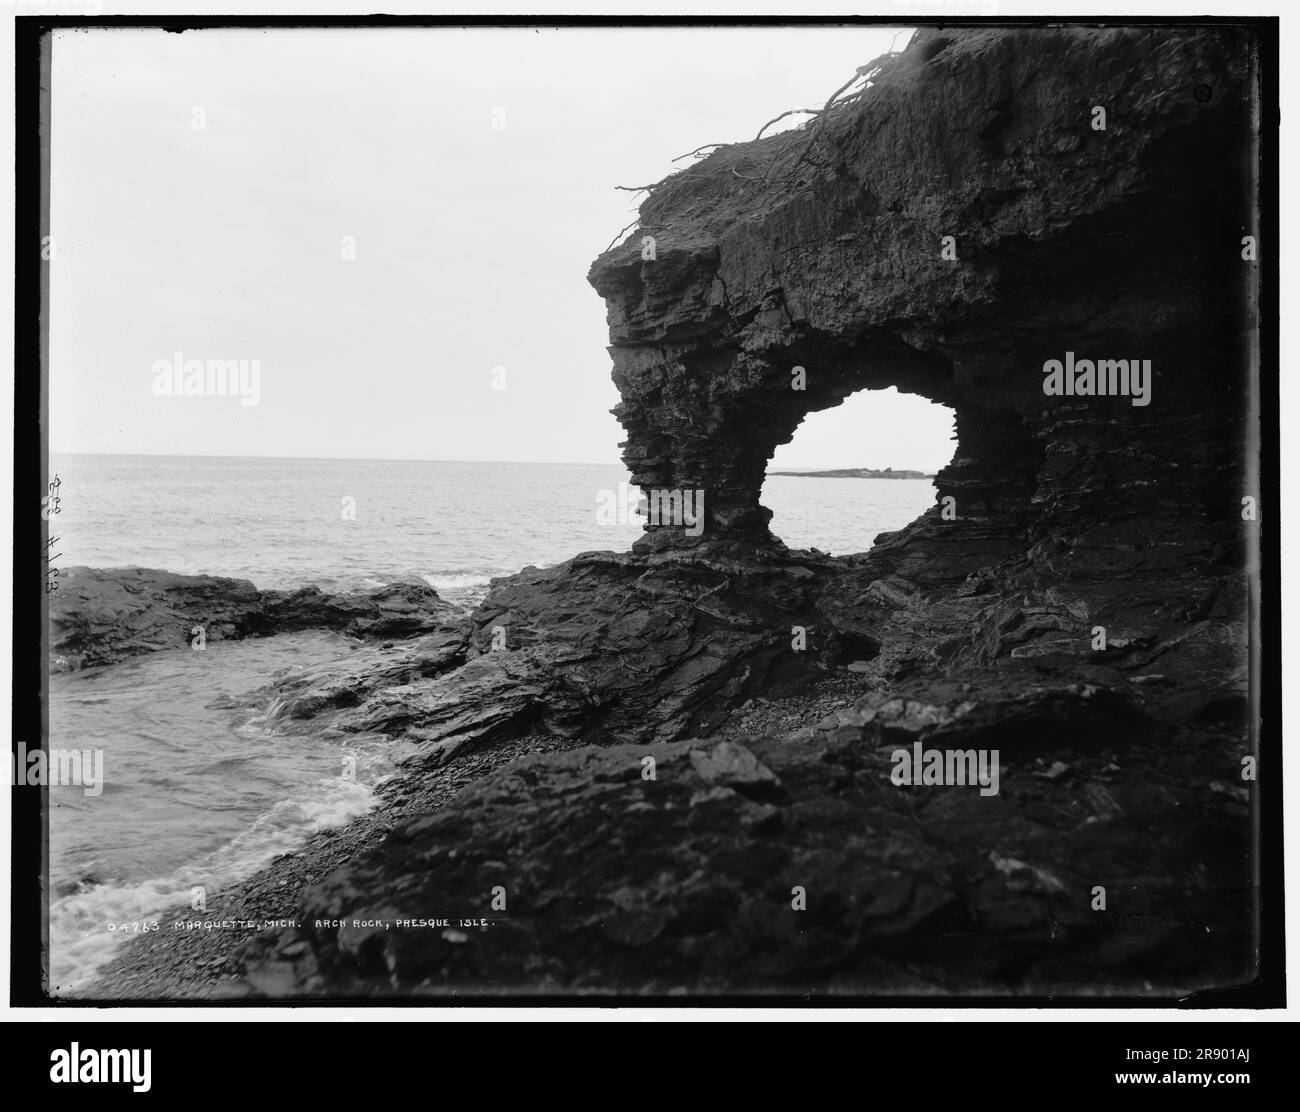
(422, 459)
(329, 459)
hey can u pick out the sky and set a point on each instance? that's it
(396, 225)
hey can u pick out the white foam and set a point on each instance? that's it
(87, 928)
(459, 581)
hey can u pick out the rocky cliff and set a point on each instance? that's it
(1076, 600)
(825, 250)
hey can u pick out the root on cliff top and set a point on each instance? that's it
(738, 162)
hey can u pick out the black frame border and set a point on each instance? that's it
(30, 611)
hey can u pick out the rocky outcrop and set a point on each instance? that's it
(1079, 598)
(791, 868)
(825, 250)
(1080, 532)
(102, 616)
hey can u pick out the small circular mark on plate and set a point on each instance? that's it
(1202, 93)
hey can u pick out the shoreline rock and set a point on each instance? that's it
(105, 615)
(638, 877)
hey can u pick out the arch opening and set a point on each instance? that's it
(864, 467)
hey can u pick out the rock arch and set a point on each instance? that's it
(1067, 240)
(1068, 509)
(976, 633)
(899, 436)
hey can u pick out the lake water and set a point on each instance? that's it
(201, 787)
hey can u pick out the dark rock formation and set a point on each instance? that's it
(101, 616)
(1062, 514)
(1123, 243)
(1084, 599)
(686, 883)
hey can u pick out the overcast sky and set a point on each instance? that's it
(471, 242)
